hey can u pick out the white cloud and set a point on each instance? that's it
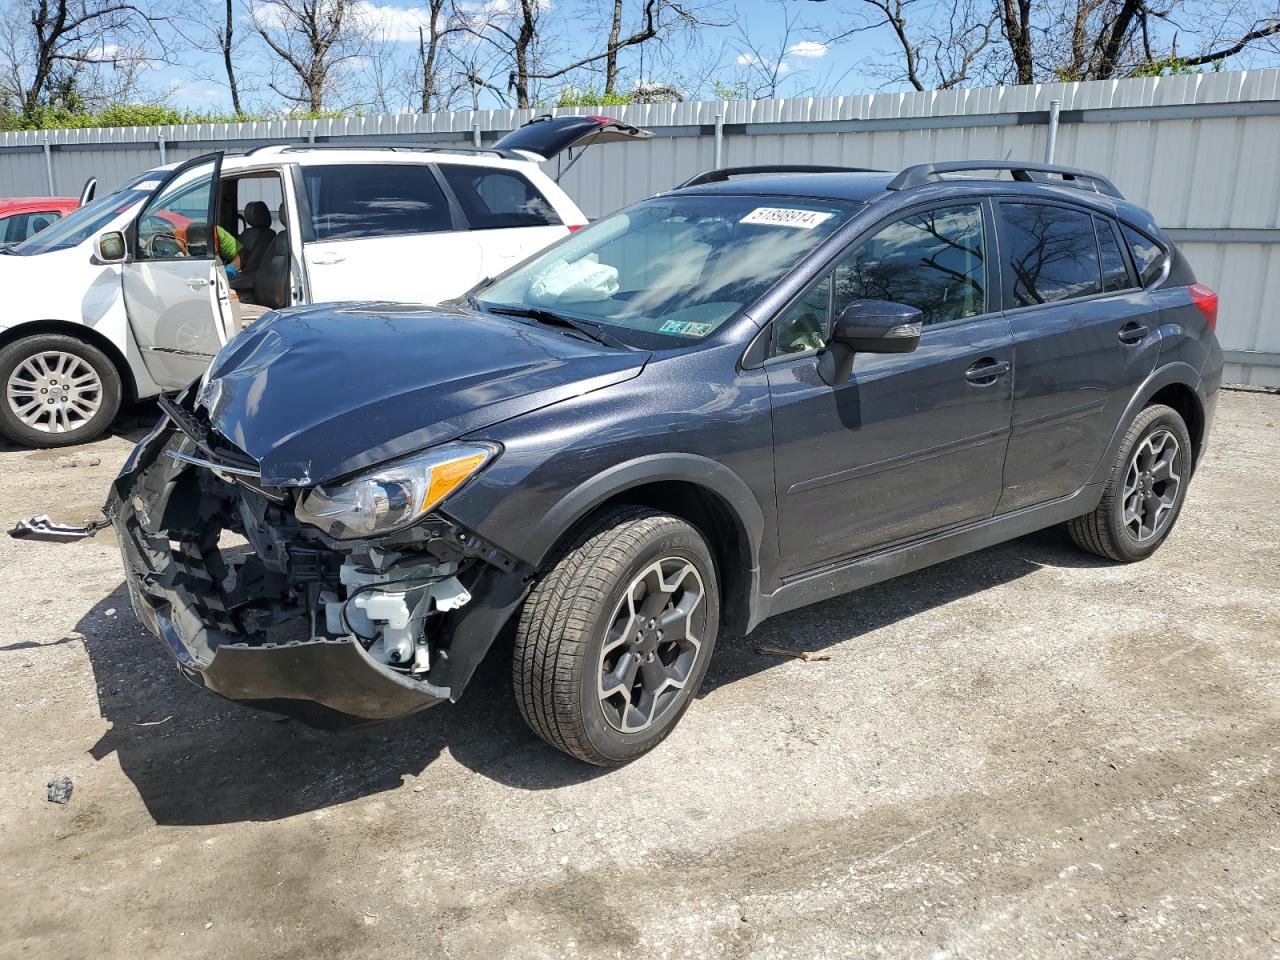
(747, 60)
(394, 24)
(807, 48)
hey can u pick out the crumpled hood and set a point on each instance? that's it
(316, 393)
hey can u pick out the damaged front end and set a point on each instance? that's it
(280, 614)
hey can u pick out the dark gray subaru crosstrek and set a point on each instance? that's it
(760, 390)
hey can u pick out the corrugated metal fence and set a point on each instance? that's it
(1199, 151)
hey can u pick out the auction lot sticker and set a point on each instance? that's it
(786, 217)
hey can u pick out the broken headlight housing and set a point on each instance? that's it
(394, 495)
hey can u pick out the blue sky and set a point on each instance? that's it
(752, 36)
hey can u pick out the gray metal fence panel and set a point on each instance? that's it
(1199, 151)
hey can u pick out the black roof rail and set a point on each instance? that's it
(923, 173)
(405, 145)
(721, 174)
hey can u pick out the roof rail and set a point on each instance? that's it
(923, 173)
(407, 146)
(721, 174)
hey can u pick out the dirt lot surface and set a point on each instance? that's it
(1023, 753)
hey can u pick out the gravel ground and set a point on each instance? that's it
(1022, 753)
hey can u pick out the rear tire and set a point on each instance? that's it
(1145, 489)
(57, 391)
(614, 639)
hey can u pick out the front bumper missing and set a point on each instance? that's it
(324, 681)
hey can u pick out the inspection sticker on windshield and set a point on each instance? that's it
(786, 217)
(685, 328)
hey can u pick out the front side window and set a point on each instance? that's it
(1052, 253)
(350, 201)
(803, 326)
(1147, 255)
(493, 199)
(175, 222)
(672, 267)
(934, 261)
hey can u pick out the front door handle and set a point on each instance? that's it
(195, 283)
(986, 371)
(1133, 332)
(327, 261)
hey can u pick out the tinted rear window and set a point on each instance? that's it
(492, 198)
(1052, 253)
(374, 200)
(1147, 255)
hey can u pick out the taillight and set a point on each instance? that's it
(1207, 301)
(575, 227)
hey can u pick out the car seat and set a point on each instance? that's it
(271, 279)
(256, 236)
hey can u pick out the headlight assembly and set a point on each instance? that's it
(394, 495)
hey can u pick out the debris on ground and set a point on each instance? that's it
(60, 790)
(805, 655)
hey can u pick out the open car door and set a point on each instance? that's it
(546, 136)
(175, 290)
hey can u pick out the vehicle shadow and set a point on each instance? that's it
(132, 424)
(196, 759)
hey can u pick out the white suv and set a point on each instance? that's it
(126, 298)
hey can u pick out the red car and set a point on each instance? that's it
(20, 217)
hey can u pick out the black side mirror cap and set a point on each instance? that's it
(868, 326)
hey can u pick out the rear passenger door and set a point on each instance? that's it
(1085, 336)
(507, 215)
(383, 231)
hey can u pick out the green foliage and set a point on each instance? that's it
(74, 116)
(729, 91)
(1173, 67)
(592, 97)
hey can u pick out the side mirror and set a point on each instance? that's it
(868, 326)
(111, 247)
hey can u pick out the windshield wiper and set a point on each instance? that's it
(591, 330)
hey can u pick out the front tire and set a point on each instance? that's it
(615, 638)
(57, 391)
(1145, 489)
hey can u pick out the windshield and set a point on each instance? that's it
(75, 228)
(677, 267)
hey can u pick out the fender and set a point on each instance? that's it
(700, 471)
(1170, 373)
(498, 594)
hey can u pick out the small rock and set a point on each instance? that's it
(208, 925)
(94, 461)
(418, 789)
(560, 828)
(59, 791)
(111, 611)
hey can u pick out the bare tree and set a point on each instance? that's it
(226, 41)
(50, 44)
(312, 39)
(943, 51)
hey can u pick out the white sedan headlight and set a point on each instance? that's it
(394, 495)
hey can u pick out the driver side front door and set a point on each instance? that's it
(175, 290)
(912, 443)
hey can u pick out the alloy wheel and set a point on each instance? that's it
(54, 391)
(652, 645)
(1151, 485)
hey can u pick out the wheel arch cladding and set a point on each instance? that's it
(1177, 380)
(702, 492)
(77, 331)
(1186, 402)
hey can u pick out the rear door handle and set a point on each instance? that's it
(327, 261)
(986, 371)
(1133, 332)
